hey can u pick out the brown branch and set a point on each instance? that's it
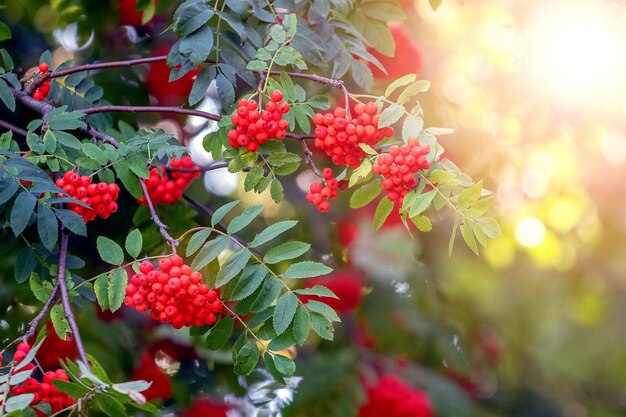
(151, 109)
(155, 218)
(65, 299)
(308, 157)
(217, 165)
(17, 130)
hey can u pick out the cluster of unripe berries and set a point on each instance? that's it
(164, 189)
(254, 128)
(319, 194)
(44, 392)
(100, 197)
(339, 135)
(398, 167)
(44, 89)
(173, 293)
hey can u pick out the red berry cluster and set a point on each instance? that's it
(44, 89)
(254, 128)
(100, 197)
(173, 294)
(392, 397)
(164, 189)
(44, 392)
(339, 135)
(398, 167)
(346, 285)
(319, 195)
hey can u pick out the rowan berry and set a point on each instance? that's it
(165, 186)
(99, 197)
(43, 67)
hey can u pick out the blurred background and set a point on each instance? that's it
(536, 94)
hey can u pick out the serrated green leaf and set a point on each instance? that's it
(21, 212)
(209, 252)
(244, 219)
(384, 208)
(272, 232)
(284, 365)
(109, 251)
(306, 269)
(233, 265)
(285, 251)
(117, 288)
(251, 278)
(421, 203)
(322, 326)
(134, 243)
(197, 240)
(364, 195)
(25, 264)
(419, 86)
(59, 322)
(390, 115)
(367, 149)
(18, 402)
(323, 309)
(220, 333)
(276, 191)
(301, 325)
(361, 172)
(5, 92)
(422, 223)
(271, 367)
(246, 359)
(402, 81)
(470, 195)
(253, 177)
(101, 288)
(219, 214)
(72, 221)
(412, 127)
(72, 389)
(109, 405)
(284, 312)
(39, 289)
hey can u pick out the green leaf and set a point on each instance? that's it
(306, 269)
(422, 223)
(489, 227)
(49, 141)
(195, 22)
(322, 326)
(402, 81)
(109, 251)
(284, 365)
(253, 177)
(139, 167)
(59, 322)
(276, 191)
(18, 402)
(256, 65)
(23, 207)
(439, 131)
(109, 405)
(419, 86)
(117, 288)
(61, 119)
(470, 195)
(72, 221)
(233, 265)
(244, 218)
(269, 292)
(318, 290)
(72, 389)
(101, 288)
(8, 191)
(365, 194)
(129, 180)
(453, 236)
(412, 127)
(37, 287)
(384, 208)
(323, 309)
(220, 333)
(362, 75)
(390, 115)
(441, 177)
(367, 149)
(197, 240)
(5, 32)
(222, 211)
(288, 250)
(95, 153)
(422, 202)
(210, 251)
(247, 358)
(284, 312)
(5, 92)
(272, 231)
(251, 278)
(271, 367)
(25, 264)
(134, 243)
(301, 325)
(361, 172)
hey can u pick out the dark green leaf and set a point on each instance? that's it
(109, 405)
(5, 92)
(74, 390)
(284, 312)
(72, 221)
(301, 324)
(23, 208)
(25, 264)
(220, 333)
(247, 358)
(284, 365)
(233, 265)
(271, 367)
(322, 326)
(251, 278)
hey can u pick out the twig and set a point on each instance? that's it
(155, 218)
(308, 158)
(151, 109)
(65, 300)
(217, 165)
(13, 128)
(209, 213)
(32, 327)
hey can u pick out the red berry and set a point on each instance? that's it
(276, 96)
(38, 95)
(43, 67)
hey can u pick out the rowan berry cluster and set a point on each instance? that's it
(319, 194)
(392, 397)
(339, 135)
(254, 128)
(173, 294)
(44, 392)
(166, 189)
(399, 166)
(44, 89)
(100, 197)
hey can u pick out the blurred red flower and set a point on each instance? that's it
(208, 408)
(129, 15)
(407, 59)
(346, 285)
(148, 371)
(165, 92)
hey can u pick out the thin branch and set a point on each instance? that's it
(32, 327)
(151, 109)
(217, 165)
(209, 213)
(308, 157)
(13, 128)
(155, 218)
(65, 299)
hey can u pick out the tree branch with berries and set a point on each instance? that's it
(71, 166)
